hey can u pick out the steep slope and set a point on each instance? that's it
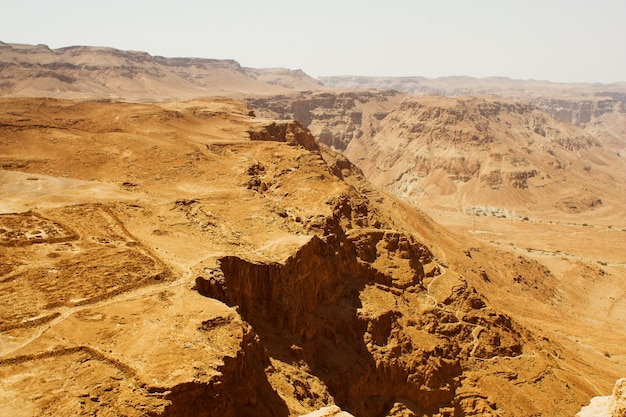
(335, 118)
(189, 259)
(461, 153)
(485, 155)
(98, 72)
(598, 108)
(602, 116)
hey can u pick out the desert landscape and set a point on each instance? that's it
(190, 237)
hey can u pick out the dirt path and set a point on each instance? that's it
(69, 311)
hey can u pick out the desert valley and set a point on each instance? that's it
(190, 237)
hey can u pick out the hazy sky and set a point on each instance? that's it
(556, 40)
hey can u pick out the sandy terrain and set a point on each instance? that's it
(162, 259)
(189, 258)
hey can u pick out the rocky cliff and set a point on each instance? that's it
(99, 72)
(364, 303)
(292, 133)
(580, 112)
(613, 405)
(437, 151)
(174, 264)
(603, 116)
(334, 118)
(597, 108)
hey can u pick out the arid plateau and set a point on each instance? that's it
(188, 237)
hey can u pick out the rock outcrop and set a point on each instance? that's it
(580, 112)
(331, 411)
(243, 387)
(613, 405)
(334, 118)
(370, 305)
(164, 261)
(478, 150)
(292, 133)
(437, 151)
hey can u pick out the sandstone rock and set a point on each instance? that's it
(247, 301)
(292, 133)
(335, 119)
(618, 399)
(330, 411)
(431, 150)
(613, 405)
(578, 112)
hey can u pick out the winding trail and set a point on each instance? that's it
(617, 300)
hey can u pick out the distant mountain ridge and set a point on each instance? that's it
(582, 104)
(102, 72)
(465, 85)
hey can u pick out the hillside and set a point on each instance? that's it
(468, 153)
(505, 173)
(462, 153)
(84, 72)
(219, 257)
(598, 108)
(167, 259)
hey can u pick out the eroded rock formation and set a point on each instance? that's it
(163, 262)
(580, 112)
(613, 405)
(334, 118)
(291, 132)
(371, 306)
(437, 151)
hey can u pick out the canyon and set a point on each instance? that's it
(460, 153)
(289, 248)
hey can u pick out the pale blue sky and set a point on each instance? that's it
(554, 40)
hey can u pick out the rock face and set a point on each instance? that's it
(163, 260)
(437, 152)
(97, 72)
(330, 306)
(598, 108)
(481, 151)
(603, 116)
(613, 405)
(580, 112)
(292, 133)
(243, 388)
(334, 118)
